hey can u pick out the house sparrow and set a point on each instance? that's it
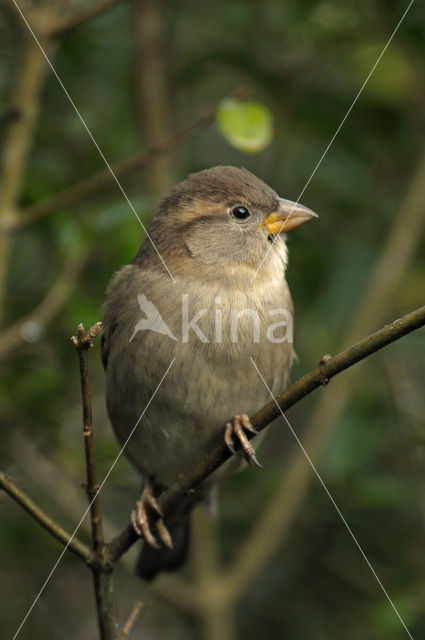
(218, 233)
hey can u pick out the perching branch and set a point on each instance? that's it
(82, 343)
(106, 555)
(296, 392)
(76, 546)
(295, 478)
(102, 574)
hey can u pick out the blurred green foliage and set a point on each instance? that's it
(303, 63)
(247, 125)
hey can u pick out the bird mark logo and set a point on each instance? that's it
(153, 320)
(240, 322)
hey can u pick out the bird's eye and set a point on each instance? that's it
(240, 213)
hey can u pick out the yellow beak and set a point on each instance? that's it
(287, 216)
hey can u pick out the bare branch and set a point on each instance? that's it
(177, 591)
(48, 474)
(85, 15)
(131, 620)
(16, 146)
(153, 105)
(106, 555)
(404, 238)
(82, 343)
(211, 604)
(100, 184)
(37, 319)
(76, 546)
(102, 573)
(296, 392)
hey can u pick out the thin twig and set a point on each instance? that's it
(85, 15)
(212, 607)
(76, 546)
(38, 318)
(295, 479)
(41, 471)
(296, 392)
(131, 620)
(106, 555)
(16, 146)
(177, 591)
(153, 105)
(102, 572)
(101, 183)
(82, 343)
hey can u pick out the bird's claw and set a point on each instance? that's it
(237, 428)
(140, 520)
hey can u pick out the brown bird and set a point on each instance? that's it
(219, 234)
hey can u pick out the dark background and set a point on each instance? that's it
(139, 73)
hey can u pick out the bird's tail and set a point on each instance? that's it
(153, 561)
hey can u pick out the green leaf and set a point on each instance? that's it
(246, 125)
(392, 81)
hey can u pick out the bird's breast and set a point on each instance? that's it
(211, 334)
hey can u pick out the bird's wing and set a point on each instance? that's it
(104, 350)
(111, 311)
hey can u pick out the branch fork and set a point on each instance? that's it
(83, 340)
(103, 556)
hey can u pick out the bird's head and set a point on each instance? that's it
(225, 215)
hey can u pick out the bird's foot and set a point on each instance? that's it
(237, 429)
(140, 519)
